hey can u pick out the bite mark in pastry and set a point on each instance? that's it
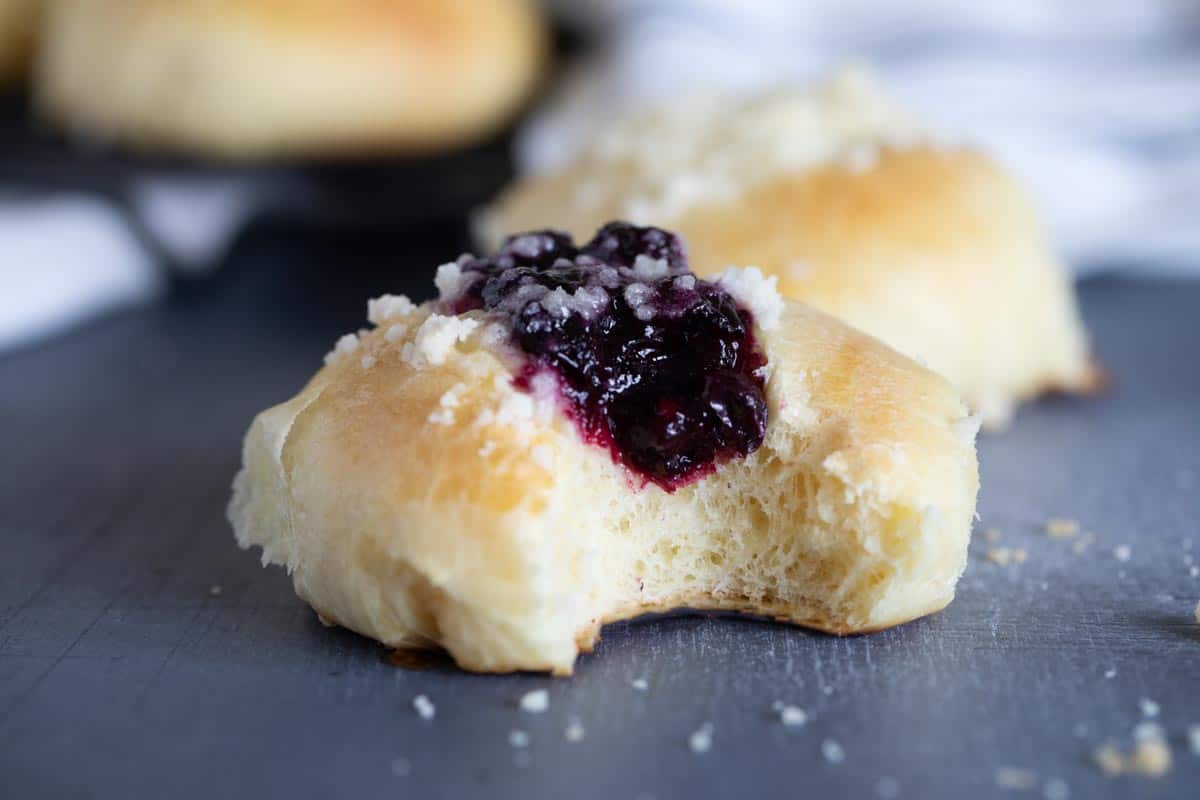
(574, 435)
(856, 209)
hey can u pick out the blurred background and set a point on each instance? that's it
(105, 204)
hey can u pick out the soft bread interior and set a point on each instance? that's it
(420, 499)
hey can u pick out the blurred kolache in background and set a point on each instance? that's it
(187, 119)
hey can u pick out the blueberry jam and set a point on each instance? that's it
(653, 363)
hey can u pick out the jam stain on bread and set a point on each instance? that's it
(653, 363)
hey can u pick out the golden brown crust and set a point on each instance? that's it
(935, 251)
(418, 498)
(282, 78)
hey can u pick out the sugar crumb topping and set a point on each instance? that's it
(449, 279)
(435, 339)
(722, 146)
(450, 400)
(344, 346)
(756, 292)
(387, 307)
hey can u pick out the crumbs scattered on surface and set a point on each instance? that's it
(518, 738)
(215, 590)
(1015, 778)
(424, 707)
(1109, 759)
(793, 717)
(1059, 528)
(1110, 673)
(1007, 555)
(640, 684)
(1083, 543)
(535, 702)
(701, 739)
(574, 731)
(993, 535)
(1148, 707)
(1151, 755)
(1056, 789)
(1122, 552)
(1194, 739)
(833, 752)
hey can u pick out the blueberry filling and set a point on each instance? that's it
(655, 364)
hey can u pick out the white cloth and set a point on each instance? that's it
(1095, 106)
(66, 259)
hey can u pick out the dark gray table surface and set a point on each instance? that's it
(122, 675)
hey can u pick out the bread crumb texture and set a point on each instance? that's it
(415, 495)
